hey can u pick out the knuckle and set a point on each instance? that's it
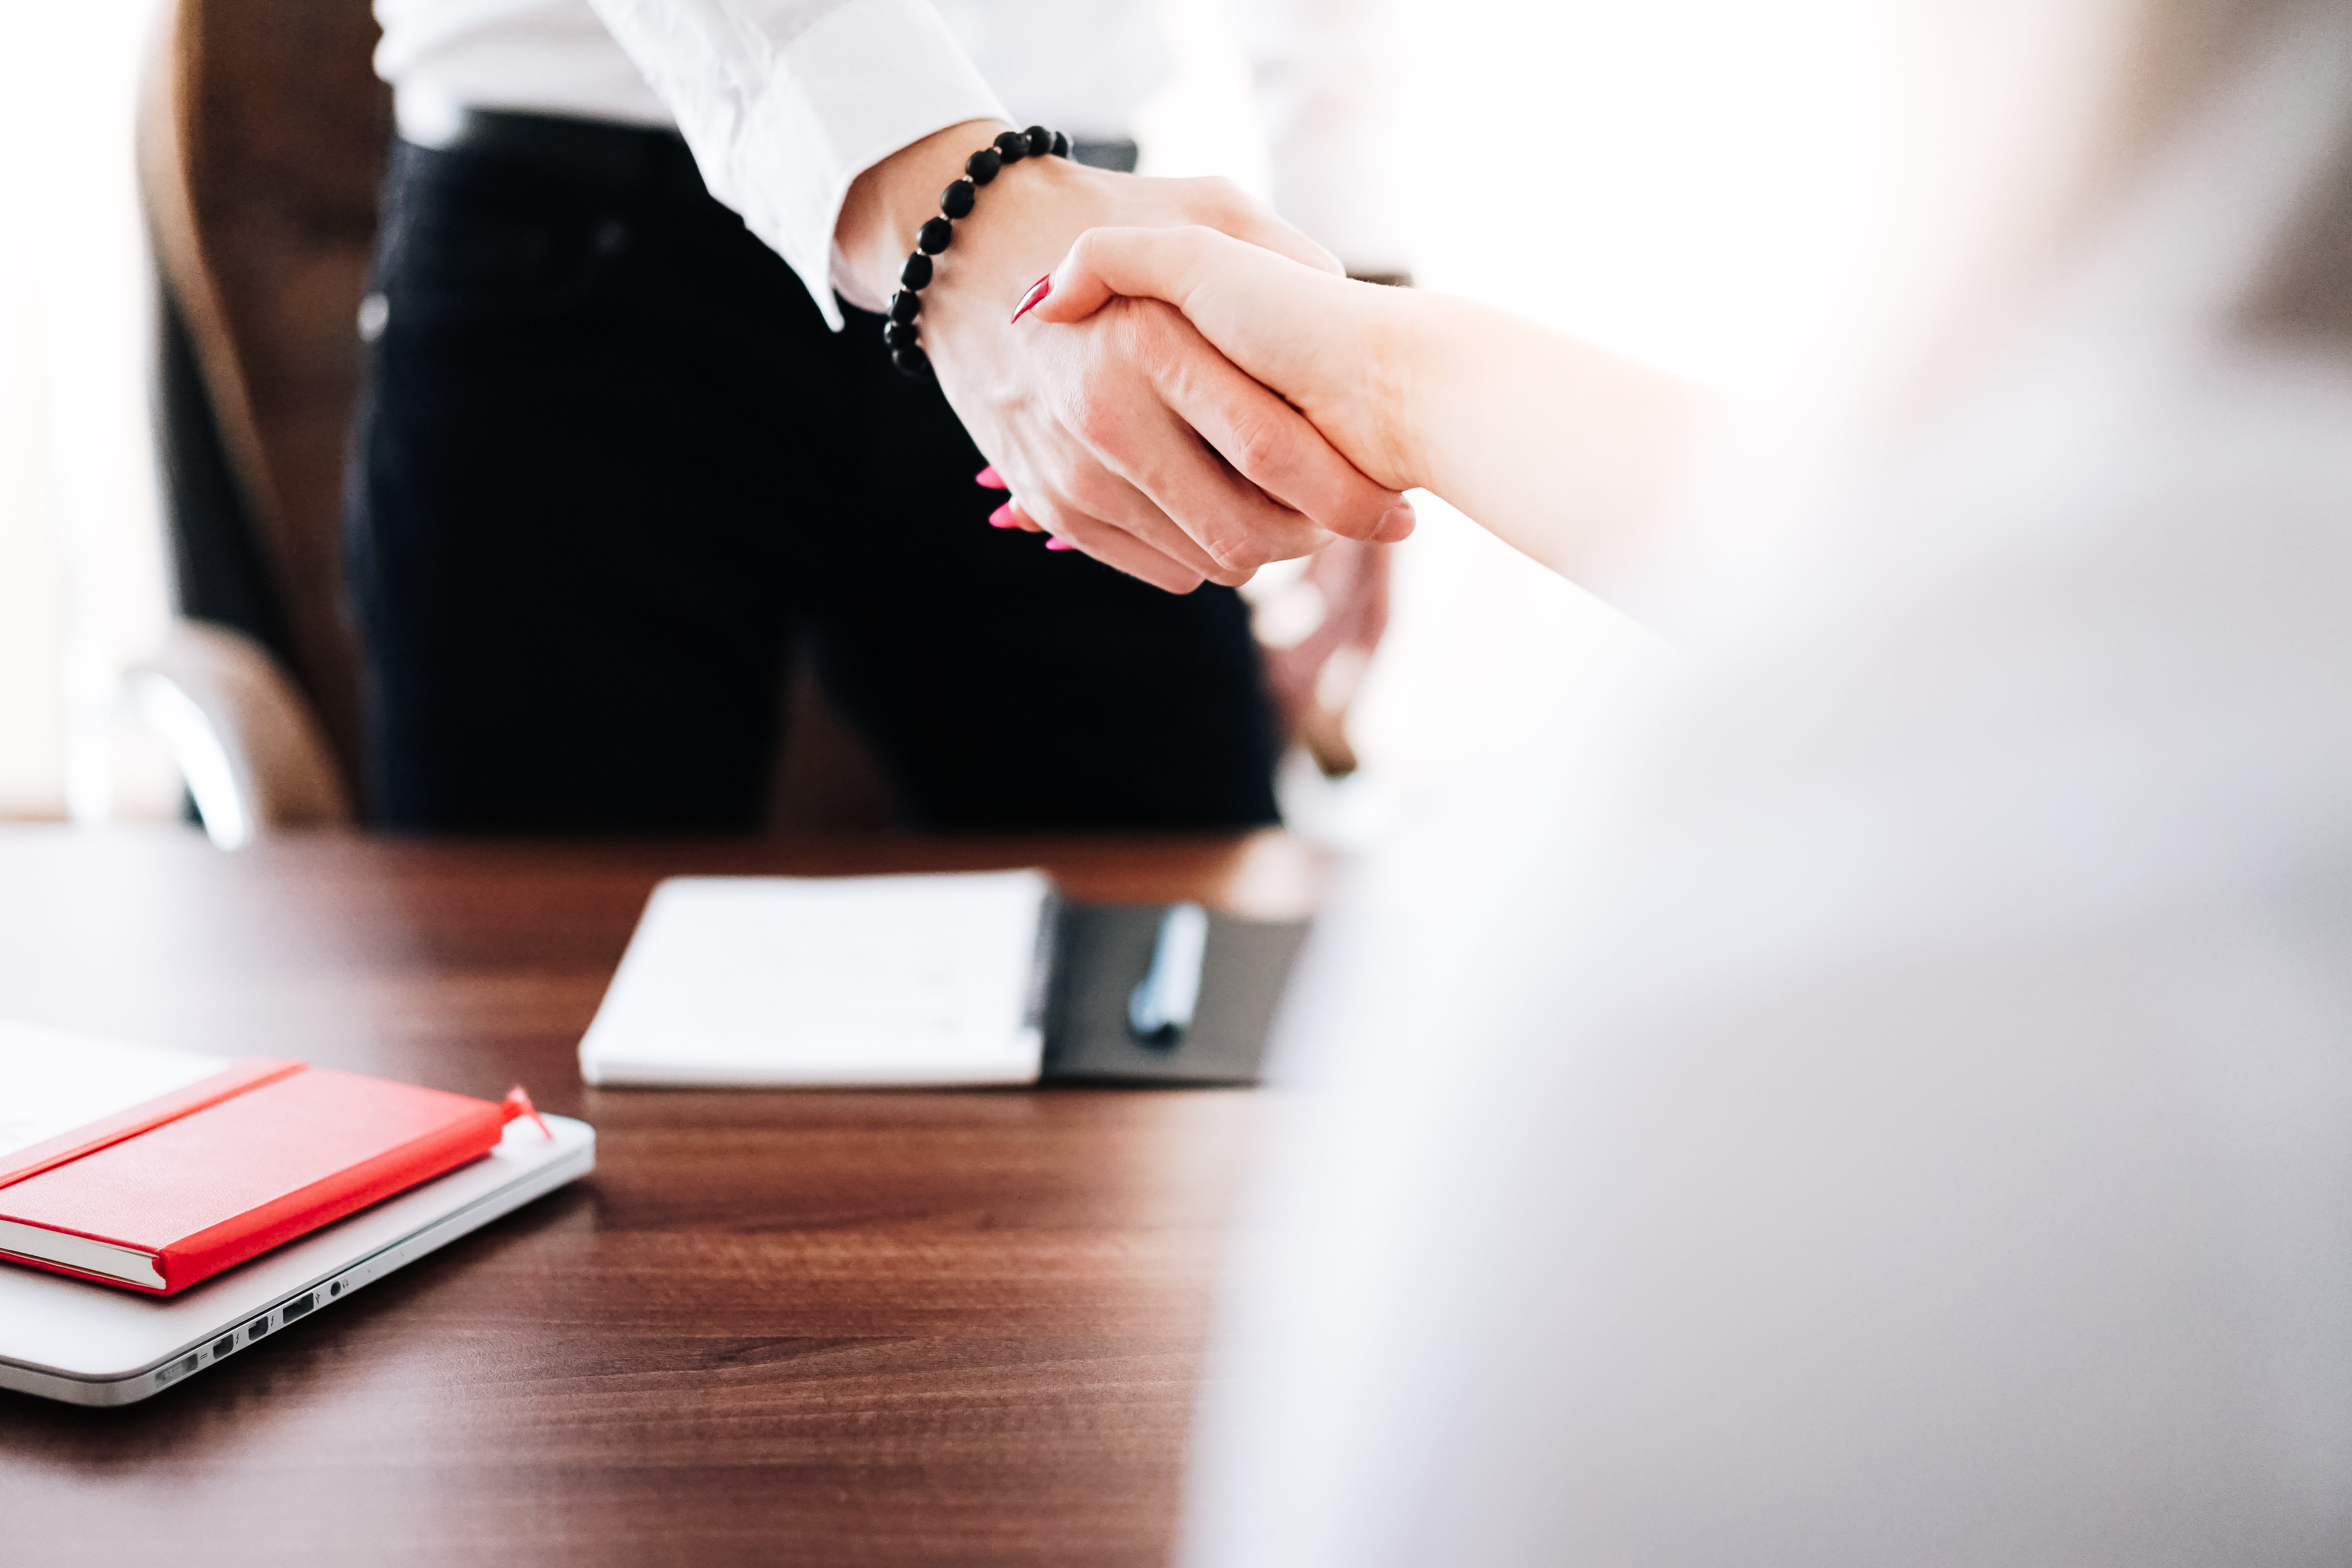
(1236, 549)
(1145, 333)
(1220, 195)
(1095, 405)
(1097, 493)
(1096, 419)
(1259, 445)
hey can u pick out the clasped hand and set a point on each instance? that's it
(1120, 431)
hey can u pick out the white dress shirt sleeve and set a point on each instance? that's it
(785, 103)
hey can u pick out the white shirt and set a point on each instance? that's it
(785, 101)
(1080, 65)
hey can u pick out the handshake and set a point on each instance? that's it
(1115, 424)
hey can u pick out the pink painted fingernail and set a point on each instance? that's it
(1059, 545)
(1002, 517)
(1038, 291)
(988, 478)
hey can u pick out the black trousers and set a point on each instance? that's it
(612, 469)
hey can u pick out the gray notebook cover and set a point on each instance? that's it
(1104, 950)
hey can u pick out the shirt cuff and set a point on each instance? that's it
(784, 103)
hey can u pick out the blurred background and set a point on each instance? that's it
(1686, 180)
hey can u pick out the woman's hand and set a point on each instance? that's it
(1126, 435)
(1559, 447)
(1328, 346)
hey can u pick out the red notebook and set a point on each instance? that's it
(198, 1179)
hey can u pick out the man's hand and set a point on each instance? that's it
(1124, 434)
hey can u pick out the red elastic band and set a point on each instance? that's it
(517, 1103)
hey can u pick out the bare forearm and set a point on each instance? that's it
(1561, 448)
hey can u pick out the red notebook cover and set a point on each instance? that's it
(197, 1181)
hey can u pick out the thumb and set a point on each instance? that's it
(1140, 263)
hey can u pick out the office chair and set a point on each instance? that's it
(262, 132)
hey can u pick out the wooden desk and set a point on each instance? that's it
(822, 1328)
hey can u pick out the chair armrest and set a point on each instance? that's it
(253, 753)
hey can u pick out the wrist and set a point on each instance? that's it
(1024, 222)
(887, 203)
(1409, 337)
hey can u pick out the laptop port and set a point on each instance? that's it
(223, 1345)
(299, 1305)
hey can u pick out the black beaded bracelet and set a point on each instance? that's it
(937, 234)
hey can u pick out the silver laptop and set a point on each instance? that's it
(90, 1345)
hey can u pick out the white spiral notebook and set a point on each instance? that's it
(838, 981)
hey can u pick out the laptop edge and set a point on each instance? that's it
(238, 1321)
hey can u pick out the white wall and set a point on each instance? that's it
(32, 572)
(1679, 180)
(82, 588)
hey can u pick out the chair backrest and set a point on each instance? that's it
(262, 139)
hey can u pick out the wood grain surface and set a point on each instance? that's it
(773, 1327)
